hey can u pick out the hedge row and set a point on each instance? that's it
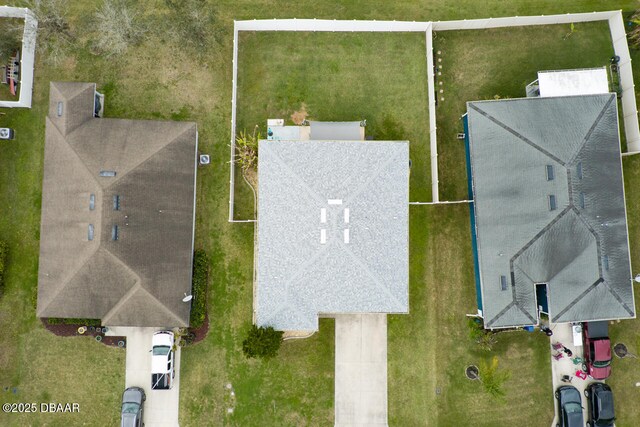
(199, 288)
(4, 249)
(70, 321)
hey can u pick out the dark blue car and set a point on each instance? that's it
(569, 407)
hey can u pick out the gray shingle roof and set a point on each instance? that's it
(298, 276)
(579, 249)
(138, 279)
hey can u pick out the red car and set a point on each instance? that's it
(597, 350)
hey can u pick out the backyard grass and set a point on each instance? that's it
(163, 79)
(478, 65)
(338, 77)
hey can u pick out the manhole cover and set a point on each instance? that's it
(620, 350)
(471, 372)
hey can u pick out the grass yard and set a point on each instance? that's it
(179, 72)
(338, 77)
(478, 65)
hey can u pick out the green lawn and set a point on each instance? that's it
(365, 76)
(478, 65)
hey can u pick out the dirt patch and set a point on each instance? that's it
(91, 331)
(298, 117)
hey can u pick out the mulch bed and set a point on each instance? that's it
(201, 332)
(63, 330)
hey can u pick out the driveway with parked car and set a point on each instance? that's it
(161, 405)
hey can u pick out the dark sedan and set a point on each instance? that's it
(600, 398)
(132, 405)
(569, 407)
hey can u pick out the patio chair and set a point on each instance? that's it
(558, 356)
(557, 346)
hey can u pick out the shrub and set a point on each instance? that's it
(484, 338)
(118, 27)
(199, 288)
(72, 321)
(4, 250)
(262, 342)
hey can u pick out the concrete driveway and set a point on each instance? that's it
(562, 333)
(161, 407)
(361, 370)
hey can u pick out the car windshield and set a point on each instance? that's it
(130, 408)
(602, 364)
(572, 407)
(161, 350)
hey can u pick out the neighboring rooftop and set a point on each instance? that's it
(116, 239)
(332, 230)
(549, 209)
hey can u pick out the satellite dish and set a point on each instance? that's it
(187, 298)
(637, 278)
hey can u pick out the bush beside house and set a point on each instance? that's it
(262, 342)
(199, 288)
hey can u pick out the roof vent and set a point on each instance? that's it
(550, 173)
(92, 202)
(116, 203)
(579, 170)
(114, 232)
(605, 262)
(60, 108)
(552, 202)
(581, 200)
(107, 173)
(503, 283)
(90, 233)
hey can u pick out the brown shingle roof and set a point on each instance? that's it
(140, 278)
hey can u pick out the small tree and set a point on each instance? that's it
(55, 37)
(262, 342)
(493, 378)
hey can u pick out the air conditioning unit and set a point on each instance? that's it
(6, 133)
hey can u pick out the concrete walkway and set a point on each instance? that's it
(161, 407)
(562, 333)
(361, 370)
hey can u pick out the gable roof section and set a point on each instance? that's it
(299, 276)
(579, 249)
(140, 278)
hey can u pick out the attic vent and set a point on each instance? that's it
(116, 203)
(60, 108)
(550, 173)
(92, 202)
(605, 262)
(107, 173)
(581, 200)
(114, 232)
(579, 170)
(90, 233)
(503, 283)
(552, 202)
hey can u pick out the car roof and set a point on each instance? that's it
(604, 400)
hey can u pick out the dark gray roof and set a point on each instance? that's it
(140, 278)
(580, 249)
(336, 131)
(298, 276)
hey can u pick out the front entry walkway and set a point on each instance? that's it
(361, 370)
(161, 406)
